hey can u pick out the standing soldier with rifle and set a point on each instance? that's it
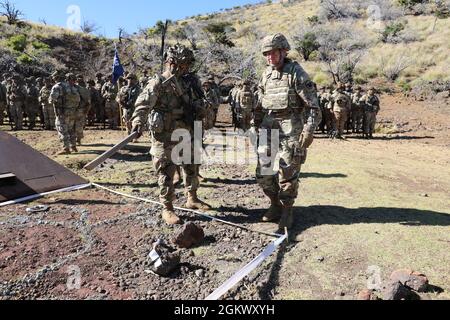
(286, 95)
(371, 105)
(109, 93)
(83, 110)
(100, 103)
(342, 105)
(17, 95)
(174, 101)
(246, 103)
(47, 108)
(65, 98)
(127, 98)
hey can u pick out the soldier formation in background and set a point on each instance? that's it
(348, 110)
(285, 99)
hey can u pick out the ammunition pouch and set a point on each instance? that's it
(156, 121)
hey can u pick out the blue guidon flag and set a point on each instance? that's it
(118, 70)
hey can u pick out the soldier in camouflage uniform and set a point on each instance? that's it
(32, 102)
(83, 110)
(47, 108)
(216, 89)
(109, 94)
(174, 101)
(16, 95)
(127, 98)
(286, 95)
(245, 105)
(212, 100)
(95, 101)
(371, 105)
(233, 101)
(357, 111)
(342, 105)
(99, 105)
(65, 98)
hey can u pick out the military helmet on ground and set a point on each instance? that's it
(179, 54)
(273, 42)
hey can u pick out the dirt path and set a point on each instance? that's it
(382, 204)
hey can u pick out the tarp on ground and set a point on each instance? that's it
(26, 172)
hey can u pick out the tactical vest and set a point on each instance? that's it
(280, 94)
(371, 104)
(85, 96)
(246, 100)
(72, 97)
(341, 102)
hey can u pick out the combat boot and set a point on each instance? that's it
(274, 212)
(194, 203)
(74, 149)
(287, 218)
(64, 152)
(169, 215)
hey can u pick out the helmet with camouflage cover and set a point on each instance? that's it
(56, 76)
(130, 76)
(273, 42)
(179, 54)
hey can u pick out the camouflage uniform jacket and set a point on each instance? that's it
(370, 103)
(169, 106)
(128, 95)
(289, 90)
(109, 91)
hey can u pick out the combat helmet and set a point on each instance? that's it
(71, 76)
(179, 54)
(273, 42)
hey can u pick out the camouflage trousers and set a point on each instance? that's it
(370, 119)
(284, 183)
(99, 110)
(127, 114)
(16, 110)
(357, 120)
(2, 112)
(80, 123)
(328, 119)
(65, 125)
(339, 120)
(112, 113)
(49, 116)
(166, 168)
(246, 118)
(209, 120)
(32, 111)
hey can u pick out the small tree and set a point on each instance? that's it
(219, 32)
(89, 27)
(306, 45)
(391, 69)
(9, 10)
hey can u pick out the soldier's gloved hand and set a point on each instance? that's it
(137, 128)
(306, 140)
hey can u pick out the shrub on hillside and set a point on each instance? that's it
(24, 59)
(17, 43)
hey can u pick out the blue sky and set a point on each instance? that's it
(112, 14)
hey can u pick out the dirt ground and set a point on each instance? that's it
(364, 205)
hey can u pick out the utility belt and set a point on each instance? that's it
(282, 113)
